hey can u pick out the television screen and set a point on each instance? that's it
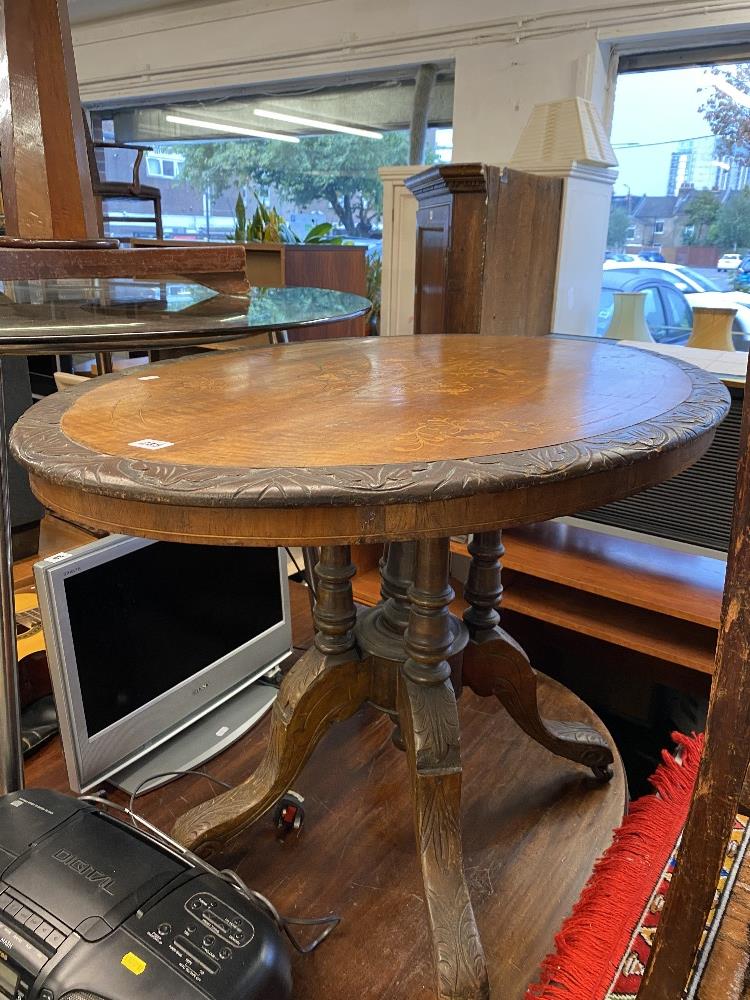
(151, 619)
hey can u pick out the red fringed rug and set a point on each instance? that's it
(602, 949)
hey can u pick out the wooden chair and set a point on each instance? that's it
(718, 791)
(133, 189)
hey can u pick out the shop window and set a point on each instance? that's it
(682, 196)
(310, 152)
(161, 166)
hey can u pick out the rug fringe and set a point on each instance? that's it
(593, 939)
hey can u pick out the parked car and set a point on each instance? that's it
(614, 255)
(699, 289)
(729, 262)
(741, 277)
(653, 255)
(669, 315)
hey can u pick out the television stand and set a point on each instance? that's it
(199, 741)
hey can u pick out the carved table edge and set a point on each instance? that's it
(39, 444)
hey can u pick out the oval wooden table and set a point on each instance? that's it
(405, 440)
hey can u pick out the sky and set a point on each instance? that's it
(653, 112)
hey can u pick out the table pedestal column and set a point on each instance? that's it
(429, 723)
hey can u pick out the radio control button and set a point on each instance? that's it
(23, 915)
(199, 957)
(4, 900)
(164, 929)
(225, 953)
(55, 939)
(33, 921)
(209, 940)
(12, 908)
(43, 930)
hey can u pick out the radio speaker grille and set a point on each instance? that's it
(80, 995)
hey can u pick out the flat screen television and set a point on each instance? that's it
(156, 650)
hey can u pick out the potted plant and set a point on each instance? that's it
(267, 226)
(276, 255)
(374, 282)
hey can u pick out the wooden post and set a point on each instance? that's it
(723, 767)
(46, 181)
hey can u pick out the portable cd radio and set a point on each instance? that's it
(91, 908)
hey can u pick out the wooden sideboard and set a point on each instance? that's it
(487, 242)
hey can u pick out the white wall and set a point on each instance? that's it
(510, 54)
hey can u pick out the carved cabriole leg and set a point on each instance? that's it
(494, 664)
(429, 722)
(326, 685)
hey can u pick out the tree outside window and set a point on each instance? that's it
(338, 170)
(619, 227)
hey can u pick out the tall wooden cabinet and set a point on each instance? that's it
(487, 241)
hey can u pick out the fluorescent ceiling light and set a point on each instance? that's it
(231, 129)
(279, 116)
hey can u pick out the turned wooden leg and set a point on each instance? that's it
(494, 664)
(326, 685)
(429, 723)
(396, 579)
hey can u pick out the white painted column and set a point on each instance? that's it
(583, 239)
(567, 139)
(399, 251)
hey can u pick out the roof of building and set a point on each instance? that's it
(655, 207)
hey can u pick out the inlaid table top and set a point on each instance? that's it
(367, 439)
(43, 315)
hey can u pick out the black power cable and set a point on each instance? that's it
(232, 878)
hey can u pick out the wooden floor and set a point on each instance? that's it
(533, 826)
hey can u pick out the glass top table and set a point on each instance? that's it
(44, 316)
(64, 315)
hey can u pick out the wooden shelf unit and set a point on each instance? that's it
(658, 602)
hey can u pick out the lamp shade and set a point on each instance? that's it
(560, 134)
(712, 328)
(629, 317)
